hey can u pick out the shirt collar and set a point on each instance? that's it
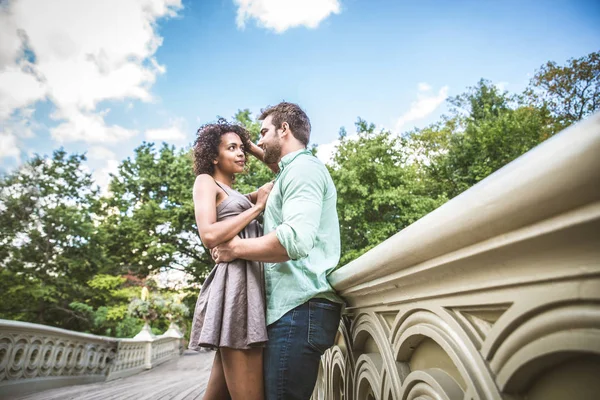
(288, 158)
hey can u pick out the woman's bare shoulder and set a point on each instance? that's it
(204, 179)
(204, 182)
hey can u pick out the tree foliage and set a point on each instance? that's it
(487, 130)
(104, 311)
(150, 221)
(570, 92)
(379, 191)
(50, 241)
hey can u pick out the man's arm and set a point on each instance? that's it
(302, 204)
(265, 248)
(294, 238)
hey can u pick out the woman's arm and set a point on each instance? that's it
(264, 190)
(260, 154)
(213, 233)
(252, 196)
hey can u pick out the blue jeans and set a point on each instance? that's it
(296, 343)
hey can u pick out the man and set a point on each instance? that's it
(300, 247)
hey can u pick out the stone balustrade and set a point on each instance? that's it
(37, 357)
(495, 295)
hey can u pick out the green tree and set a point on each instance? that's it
(380, 191)
(570, 92)
(105, 308)
(487, 130)
(50, 243)
(150, 222)
(426, 148)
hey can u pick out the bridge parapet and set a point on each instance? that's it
(37, 357)
(494, 295)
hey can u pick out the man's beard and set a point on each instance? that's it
(273, 153)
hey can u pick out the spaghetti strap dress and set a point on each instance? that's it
(230, 311)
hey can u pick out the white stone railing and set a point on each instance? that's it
(495, 295)
(37, 357)
(130, 358)
(163, 349)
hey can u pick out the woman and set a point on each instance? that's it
(230, 312)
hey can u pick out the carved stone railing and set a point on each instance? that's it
(130, 358)
(495, 295)
(38, 357)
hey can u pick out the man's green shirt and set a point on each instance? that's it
(301, 209)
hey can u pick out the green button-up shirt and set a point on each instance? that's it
(301, 209)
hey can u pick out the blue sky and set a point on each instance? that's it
(160, 74)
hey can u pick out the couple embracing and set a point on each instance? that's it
(266, 306)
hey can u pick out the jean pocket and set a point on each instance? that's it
(323, 323)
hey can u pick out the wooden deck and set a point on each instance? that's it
(181, 379)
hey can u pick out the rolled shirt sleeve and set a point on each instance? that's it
(302, 203)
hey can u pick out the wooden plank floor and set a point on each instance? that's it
(181, 379)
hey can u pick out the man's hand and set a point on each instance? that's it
(225, 252)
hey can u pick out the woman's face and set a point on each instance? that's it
(231, 159)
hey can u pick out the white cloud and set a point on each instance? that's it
(10, 43)
(325, 151)
(100, 153)
(88, 127)
(18, 89)
(78, 54)
(20, 124)
(13, 130)
(9, 147)
(172, 133)
(280, 15)
(424, 87)
(424, 105)
(501, 85)
(102, 175)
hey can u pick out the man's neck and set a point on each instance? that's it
(292, 148)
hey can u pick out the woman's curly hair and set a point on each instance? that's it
(206, 145)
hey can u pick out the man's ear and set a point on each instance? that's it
(285, 129)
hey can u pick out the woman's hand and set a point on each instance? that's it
(263, 195)
(255, 151)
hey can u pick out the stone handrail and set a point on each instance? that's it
(494, 295)
(37, 357)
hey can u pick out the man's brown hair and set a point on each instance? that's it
(293, 115)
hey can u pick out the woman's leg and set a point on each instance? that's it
(216, 388)
(244, 373)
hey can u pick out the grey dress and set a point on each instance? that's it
(230, 311)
